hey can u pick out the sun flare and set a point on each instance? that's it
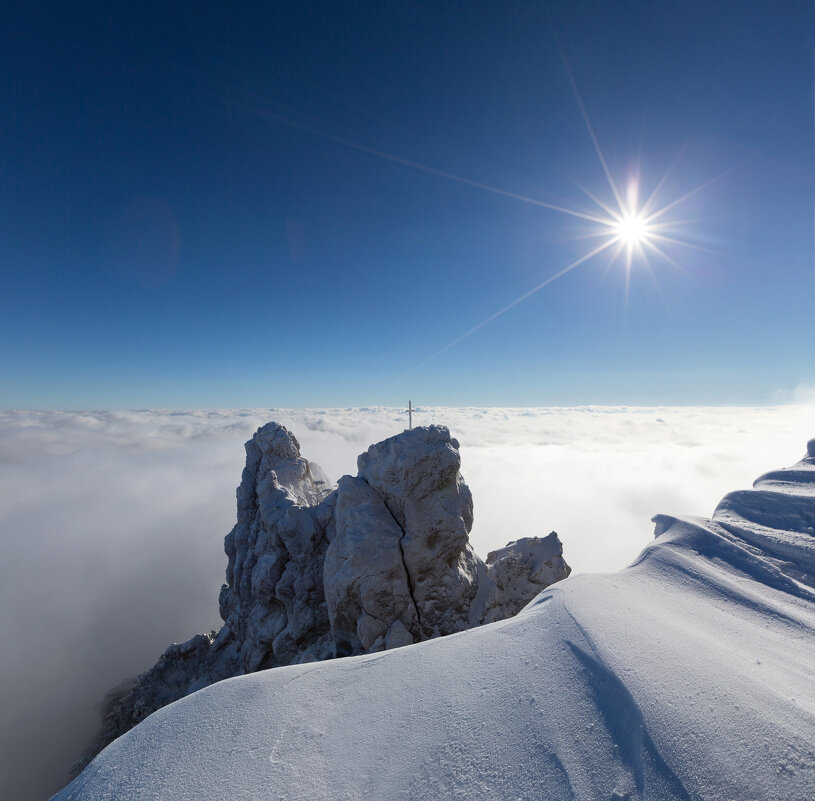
(630, 232)
(632, 229)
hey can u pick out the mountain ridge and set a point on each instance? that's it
(686, 675)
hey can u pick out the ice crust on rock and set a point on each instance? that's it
(381, 562)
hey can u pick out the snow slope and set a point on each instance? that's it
(690, 674)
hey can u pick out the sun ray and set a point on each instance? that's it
(520, 299)
(591, 235)
(660, 252)
(647, 205)
(290, 122)
(675, 223)
(659, 212)
(590, 129)
(633, 230)
(627, 280)
(608, 210)
(682, 243)
(652, 273)
(615, 254)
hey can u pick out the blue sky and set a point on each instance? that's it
(193, 215)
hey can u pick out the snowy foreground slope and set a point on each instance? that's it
(690, 674)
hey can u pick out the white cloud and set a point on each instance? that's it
(112, 523)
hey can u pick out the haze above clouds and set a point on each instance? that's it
(112, 523)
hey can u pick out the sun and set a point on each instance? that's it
(630, 232)
(632, 229)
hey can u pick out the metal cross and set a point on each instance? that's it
(409, 410)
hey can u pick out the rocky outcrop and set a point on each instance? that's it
(273, 604)
(417, 476)
(367, 587)
(520, 571)
(382, 561)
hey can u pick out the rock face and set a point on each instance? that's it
(273, 604)
(520, 571)
(367, 587)
(382, 561)
(417, 476)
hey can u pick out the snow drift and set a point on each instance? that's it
(690, 674)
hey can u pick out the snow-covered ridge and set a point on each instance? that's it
(690, 674)
(381, 562)
(770, 528)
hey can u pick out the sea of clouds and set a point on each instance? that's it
(112, 524)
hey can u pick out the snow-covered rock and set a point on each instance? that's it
(381, 562)
(273, 605)
(417, 475)
(688, 675)
(367, 588)
(520, 571)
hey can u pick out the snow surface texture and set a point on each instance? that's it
(690, 674)
(381, 562)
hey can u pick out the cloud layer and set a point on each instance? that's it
(112, 524)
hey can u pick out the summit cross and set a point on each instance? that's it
(409, 410)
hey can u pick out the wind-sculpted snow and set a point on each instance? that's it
(381, 562)
(688, 675)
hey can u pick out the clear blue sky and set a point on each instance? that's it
(192, 215)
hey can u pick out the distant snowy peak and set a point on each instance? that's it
(382, 561)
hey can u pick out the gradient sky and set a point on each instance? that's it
(192, 213)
